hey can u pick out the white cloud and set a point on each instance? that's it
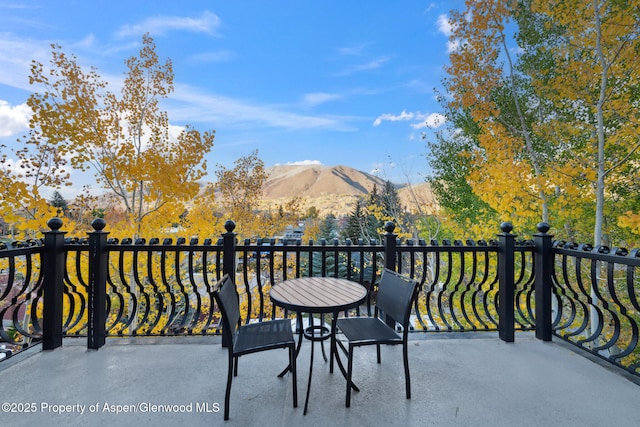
(313, 99)
(432, 120)
(207, 23)
(190, 104)
(352, 50)
(11, 166)
(376, 169)
(304, 163)
(13, 119)
(15, 59)
(371, 65)
(453, 45)
(393, 117)
(175, 131)
(87, 42)
(444, 25)
(430, 7)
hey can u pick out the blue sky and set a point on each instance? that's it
(334, 82)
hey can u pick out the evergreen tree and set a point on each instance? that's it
(352, 228)
(328, 228)
(391, 205)
(57, 201)
(386, 206)
(361, 224)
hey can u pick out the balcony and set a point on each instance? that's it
(504, 332)
(481, 381)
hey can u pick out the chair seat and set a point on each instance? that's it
(364, 330)
(263, 336)
(395, 295)
(252, 338)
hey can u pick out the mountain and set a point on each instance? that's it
(313, 181)
(331, 189)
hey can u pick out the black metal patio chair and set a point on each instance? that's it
(395, 295)
(251, 338)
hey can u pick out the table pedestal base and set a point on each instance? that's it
(310, 334)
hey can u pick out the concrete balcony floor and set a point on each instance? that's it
(455, 382)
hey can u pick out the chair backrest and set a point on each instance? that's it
(227, 298)
(395, 294)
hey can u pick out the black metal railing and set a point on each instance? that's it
(55, 287)
(21, 295)
(596, 301)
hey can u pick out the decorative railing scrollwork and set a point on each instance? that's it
(21, 296)
(596, 301)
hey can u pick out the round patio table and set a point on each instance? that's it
(318, 295)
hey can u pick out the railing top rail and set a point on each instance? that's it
(112, 246)
(21, 248)
(208, 245)
(599, 253)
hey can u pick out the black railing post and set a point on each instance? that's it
(390, 255)
(390, 246)
(53, 264)
(229, 250)
(544, 267)
(97, 298)
(506, 293)
(229, 258)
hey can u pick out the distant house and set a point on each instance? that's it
(292, 234)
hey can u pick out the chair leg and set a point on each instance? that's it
(349, 375)
(407, 377)
(378, 352)
(292, 364)
(228, 390)
(235, 366)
